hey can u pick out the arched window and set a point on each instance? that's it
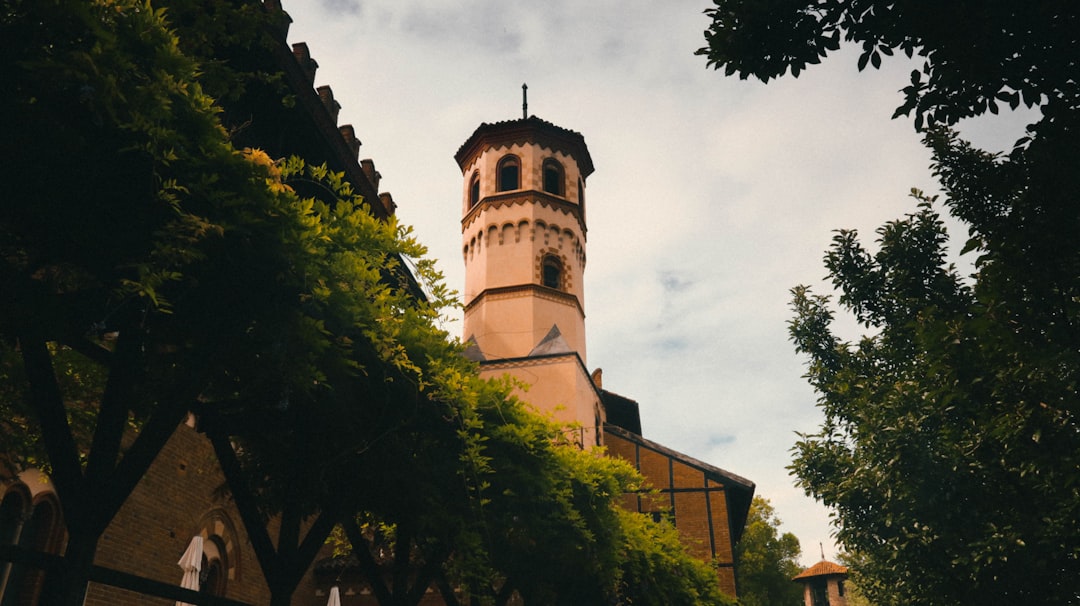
(581, 193)
(509, 173)
(551, 272)
(12, 512)
(553, 177)
(13, 517)
(48, 534)
(214, 572)
(474, 190)
(40, 530)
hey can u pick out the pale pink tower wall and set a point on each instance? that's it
(508, 236)
(523, 245)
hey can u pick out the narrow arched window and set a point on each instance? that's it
(214, 573)
(474, 190)
(509, 173)
(581, 193)
(551, 272)
(11, 517)
(40, 531)
(553, 177)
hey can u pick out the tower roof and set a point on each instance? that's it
(823, 568)
(526, 130)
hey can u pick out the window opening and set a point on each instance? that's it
(553, 177)
(212, 577)
(819, 593)
(509, 173)
(551, 272)
(474, 190)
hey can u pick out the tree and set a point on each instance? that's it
(188, 275)
(544, 525)
(168, 271)
(657, 569)
(767, 560)
(949, 447)
(976, 54)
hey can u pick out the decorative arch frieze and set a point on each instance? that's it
(518, 198)
(550, 235)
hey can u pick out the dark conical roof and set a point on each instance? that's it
(526, 130)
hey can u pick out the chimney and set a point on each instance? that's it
(307, 64)
(373, 176)
(388, 203)
(331, 106)
(349, 134)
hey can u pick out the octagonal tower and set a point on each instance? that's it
(523, 235)
(523, 241)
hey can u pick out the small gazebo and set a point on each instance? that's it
(823, 584)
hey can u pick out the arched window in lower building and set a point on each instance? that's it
(509, 173)
(13, 515)
(551, 272)
(215, 566)
(39, 529)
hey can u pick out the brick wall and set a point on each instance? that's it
(179, 497)
(698, 502)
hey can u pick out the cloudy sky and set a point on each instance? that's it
(712, 196)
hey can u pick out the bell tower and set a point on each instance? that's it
(523, 241)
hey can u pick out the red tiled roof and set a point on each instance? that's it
(821, 569)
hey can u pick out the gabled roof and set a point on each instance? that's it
(552, 343)
(823, 568)
(472, 350)
(740, 490)
(622, 411)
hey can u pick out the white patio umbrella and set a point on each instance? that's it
(191, 564)
(335, 597)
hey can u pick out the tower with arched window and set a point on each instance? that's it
(523, 241)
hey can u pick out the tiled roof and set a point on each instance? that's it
(821, 569)
(531, 129)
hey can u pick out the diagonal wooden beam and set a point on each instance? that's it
(245, 503)
(48, 404)
(370, 568)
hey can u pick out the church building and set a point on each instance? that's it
(523, 241)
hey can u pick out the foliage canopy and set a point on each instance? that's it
(767, 560)
(976, 54)
(153, 266)
(949, 447)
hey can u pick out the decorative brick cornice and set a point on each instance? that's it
(530, 130)
(521, 198)
(536, 290)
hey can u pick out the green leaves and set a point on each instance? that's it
(1019, 58)
(943, 409)
(767, 560)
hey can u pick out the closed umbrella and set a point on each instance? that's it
(191, 564)
(335, 597)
